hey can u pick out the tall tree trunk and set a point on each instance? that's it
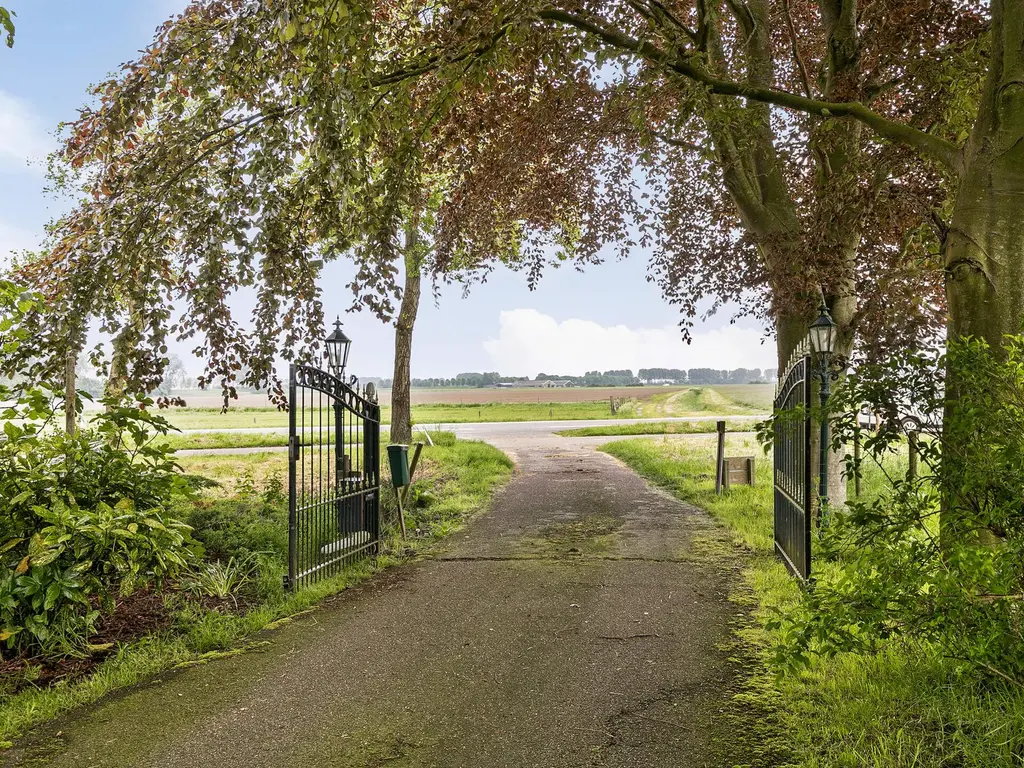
(984, 252)
(401, 406)
(984, 248)
(70, 393)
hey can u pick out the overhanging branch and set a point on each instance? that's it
(925, 143)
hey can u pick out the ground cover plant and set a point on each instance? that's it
(903, 704)
(84, 519)
(233, 513)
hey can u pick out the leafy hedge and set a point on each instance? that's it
(83, 518)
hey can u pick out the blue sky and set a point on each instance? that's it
(609, 317)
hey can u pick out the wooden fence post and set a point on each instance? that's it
(912, 449)
(720, 457)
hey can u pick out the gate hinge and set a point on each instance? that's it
(293, 443)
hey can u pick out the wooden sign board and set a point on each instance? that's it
(739, 470)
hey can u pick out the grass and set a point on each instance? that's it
(903, 707)
(449, 413)
(237, 439)
(456, 479)
(656, 428)
(686, 402)
(759, 397)
(725, 400)
(208, 440)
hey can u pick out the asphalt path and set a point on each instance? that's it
(485, 431)
(578, 623)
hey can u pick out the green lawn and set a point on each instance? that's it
(450, 413)
(759, 397)
(904, 707)
(687, 402)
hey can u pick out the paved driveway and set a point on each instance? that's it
(574, 624)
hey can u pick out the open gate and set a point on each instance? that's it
(333, 474)
(792, 447)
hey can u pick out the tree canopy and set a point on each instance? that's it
(253, 141)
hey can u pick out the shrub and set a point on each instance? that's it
(61, 577)
(82, 518)
(938, 557)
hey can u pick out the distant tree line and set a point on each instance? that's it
(177, 378)
(613, 378)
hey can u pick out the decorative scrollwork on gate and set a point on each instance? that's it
(333, 474)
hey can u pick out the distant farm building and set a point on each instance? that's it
(542, 384)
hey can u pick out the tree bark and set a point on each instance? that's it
(984, 252)
(70, 393)
(401, 406)
(984, 247)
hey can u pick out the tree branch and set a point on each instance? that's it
(434, 62)
(681, 143)
(804, 76)
(926, 144)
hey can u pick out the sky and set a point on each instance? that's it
(609, 317)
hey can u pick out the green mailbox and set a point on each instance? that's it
(398, 458)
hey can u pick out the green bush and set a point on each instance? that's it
(58, 580)
(82, 518)
(939, 556)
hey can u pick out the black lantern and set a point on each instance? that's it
(823, 344)
(823, 334)
(337, 349)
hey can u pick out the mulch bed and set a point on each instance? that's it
(139, 614)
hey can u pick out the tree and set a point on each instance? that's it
(7, 25)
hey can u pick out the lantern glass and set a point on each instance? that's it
(337, 348)
(823, 333)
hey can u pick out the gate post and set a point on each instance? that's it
(293, 454)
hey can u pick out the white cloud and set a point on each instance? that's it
(532, 342)
(24, 138)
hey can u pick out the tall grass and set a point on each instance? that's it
(902, 707)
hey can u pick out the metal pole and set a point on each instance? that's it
(823, 372)
(293, 453)
(340, 470)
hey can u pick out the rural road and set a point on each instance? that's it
(578, 623)
(491, 432)
(500, 427)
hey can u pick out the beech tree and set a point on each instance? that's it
(244, 149)
(543, 116)
(7, 25)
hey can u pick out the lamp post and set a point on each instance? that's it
(337, 349)
(823, 344)
(338, 345)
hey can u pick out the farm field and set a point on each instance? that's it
(460, 395)
(474, 405)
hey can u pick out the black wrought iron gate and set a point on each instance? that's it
(333, 474)
(792, 446)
